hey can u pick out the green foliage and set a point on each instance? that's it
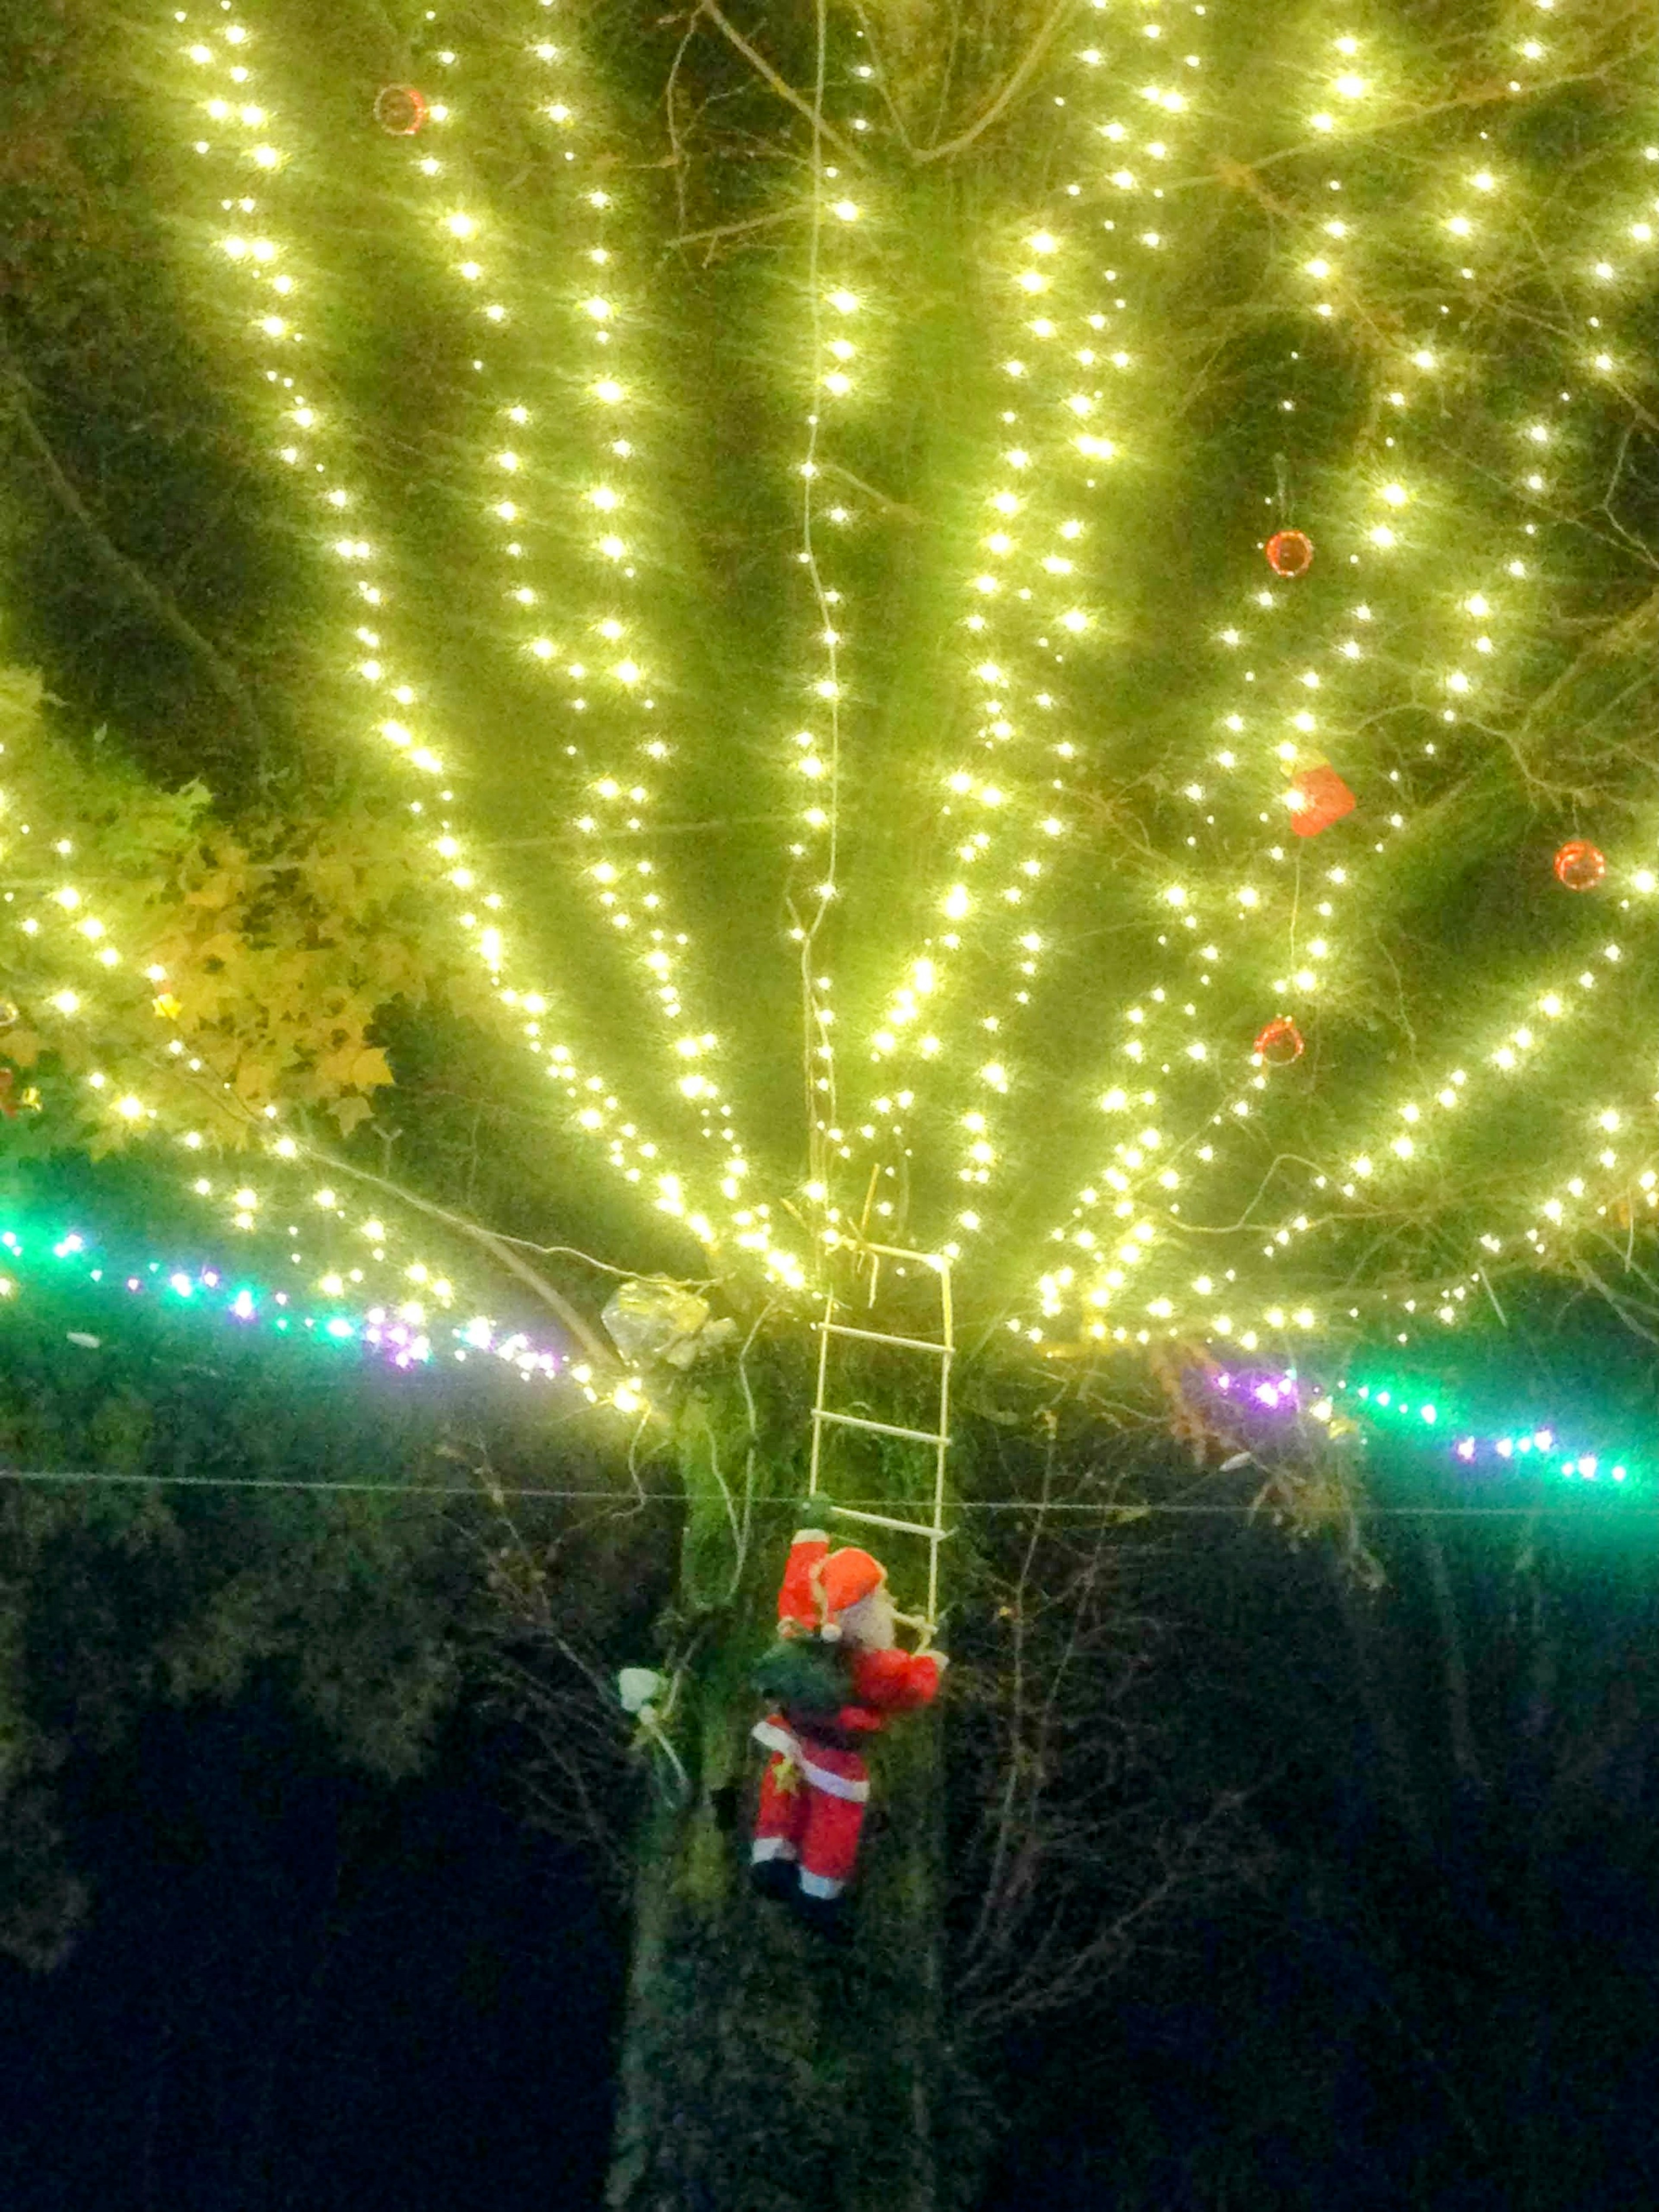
(154, 1567)
(251, 963)
(805, 1674)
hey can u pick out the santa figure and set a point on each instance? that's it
(839, 1675)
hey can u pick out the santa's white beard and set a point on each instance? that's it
(869, 1625)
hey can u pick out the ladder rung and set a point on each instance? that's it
(903, 1252)
(883, 1521)
(880, 1428)
(876, 1336)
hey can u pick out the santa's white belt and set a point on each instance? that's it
(776, 1737)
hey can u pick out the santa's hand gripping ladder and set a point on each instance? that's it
(939, 1439)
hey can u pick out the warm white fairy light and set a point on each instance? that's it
(1019, 636)
(637, 1158)
(632, 894)
(1242, 910)
(1460, 683)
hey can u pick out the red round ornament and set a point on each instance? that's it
(1580, 865)
(1317, 797)
(400, 110)
(1280, 1043)
(1289, 553)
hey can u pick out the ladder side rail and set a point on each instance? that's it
(947, 1331)
(817, 1410)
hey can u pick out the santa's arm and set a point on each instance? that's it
(797, 1598)
(896, 1681)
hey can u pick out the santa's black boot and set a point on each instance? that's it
(825, 1917)
(776, 1878)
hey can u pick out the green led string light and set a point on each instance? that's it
(1449, 1423)
(400, 1337)
(1472, 1442)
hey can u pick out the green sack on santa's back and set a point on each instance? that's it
(803, 1674)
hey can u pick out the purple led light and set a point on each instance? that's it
(406, 1345)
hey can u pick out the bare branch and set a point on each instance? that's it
(166, 611)
(1011, 91)
(737, 229)
(887, 101)
(763, 68)
(499, 1247)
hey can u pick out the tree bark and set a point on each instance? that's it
(762, 2070)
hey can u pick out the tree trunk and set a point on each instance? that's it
(762, 2070)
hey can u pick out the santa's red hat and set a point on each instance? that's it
(845, 1578)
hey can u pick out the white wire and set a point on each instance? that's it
(119, 1479)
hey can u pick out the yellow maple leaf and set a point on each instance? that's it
(370, 1069)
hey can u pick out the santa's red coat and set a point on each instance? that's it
(815, 1785)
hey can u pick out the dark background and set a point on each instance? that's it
(302, 1989)
(1431, 1975)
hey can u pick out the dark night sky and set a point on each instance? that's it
(301, 1988)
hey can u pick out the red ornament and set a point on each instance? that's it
(1579, 866)
(1317, 796)
(1280, 1043)
(1289, 553)
(400, 110)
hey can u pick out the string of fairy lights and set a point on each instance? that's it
(1579, 1201)
(1269, 914)
(1539, 435)
(1067, 367)
(818, 757)
(1147, 127)
(1551, 1009)
(304, 430)
(113, 1276)
(1242, 909)
(633, 893)
(1460, 1428)
(1156, 1008)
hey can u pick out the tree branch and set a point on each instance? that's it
(1496, 90)
(223, 677)
(737, 229)
(893, 115)
(1009, 92)
(570, 1317)
(763, 68)
(1466, 1755)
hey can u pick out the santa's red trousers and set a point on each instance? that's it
(811, 1807)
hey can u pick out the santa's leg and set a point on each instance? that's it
(778, 1822)
(837, 1788)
